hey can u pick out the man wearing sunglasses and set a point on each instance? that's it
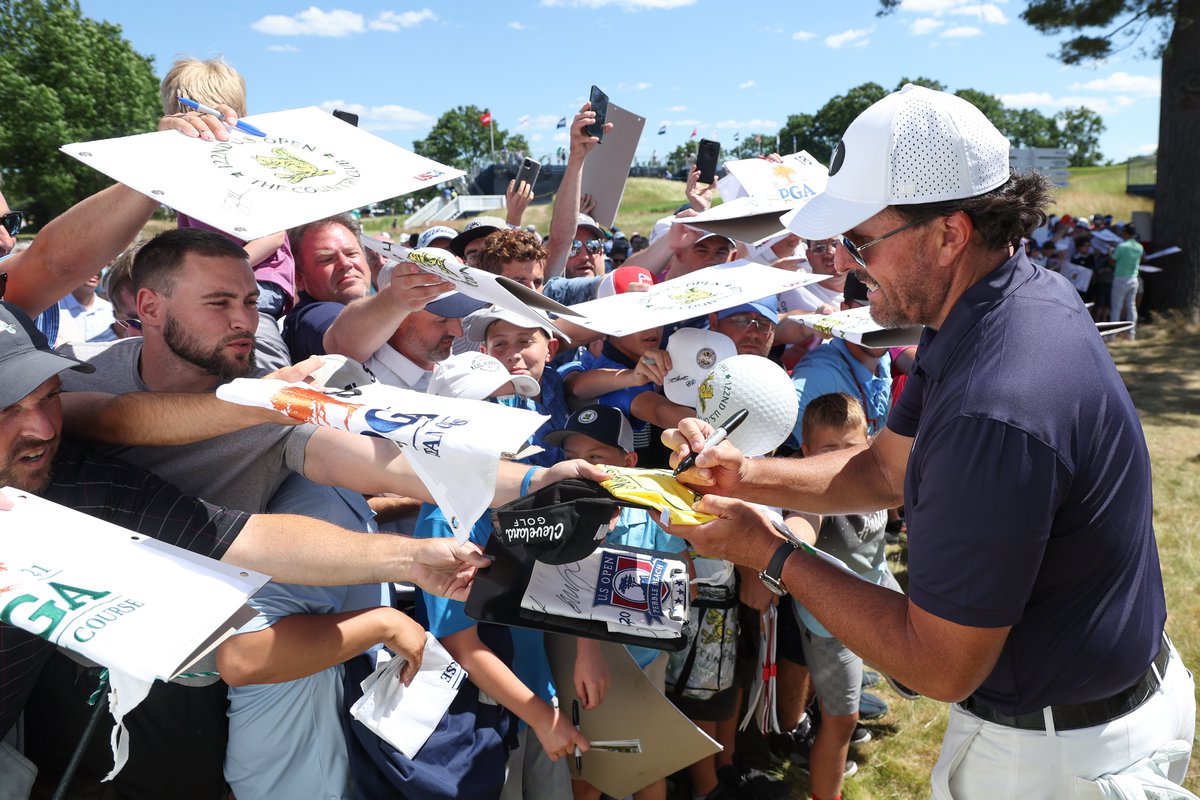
(1035, 600)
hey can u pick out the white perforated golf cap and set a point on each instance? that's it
(913, 146)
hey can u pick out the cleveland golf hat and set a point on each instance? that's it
(914, 146)
(26, 358)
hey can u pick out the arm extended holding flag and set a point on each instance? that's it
(367, 323)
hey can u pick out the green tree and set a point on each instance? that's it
(797, 134)
(989, 104)
(836, 115)
(64, 78)
(458, 138)
(683, 155)
(1079, 132)
(1028, 127)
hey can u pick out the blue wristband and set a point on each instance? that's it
(525, 481)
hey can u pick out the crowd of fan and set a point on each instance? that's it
(181, 313)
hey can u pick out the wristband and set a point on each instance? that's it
(525, 481)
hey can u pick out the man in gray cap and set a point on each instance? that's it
(1035, 600)
(35, 458)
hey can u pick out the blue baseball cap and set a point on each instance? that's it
(605, 424)
(766, 307)
(454, 304)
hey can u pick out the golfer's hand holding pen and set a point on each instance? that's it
(718, 436)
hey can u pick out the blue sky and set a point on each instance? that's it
(720, 67)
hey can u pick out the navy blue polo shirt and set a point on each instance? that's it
(305, 325)
(1028, 493)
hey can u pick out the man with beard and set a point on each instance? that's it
(196, 299)
(34, 458)
(1035, 600)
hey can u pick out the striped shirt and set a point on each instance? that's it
(125, 495)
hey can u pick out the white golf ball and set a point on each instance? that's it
(758, 385)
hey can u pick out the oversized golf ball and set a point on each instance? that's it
(758, 385)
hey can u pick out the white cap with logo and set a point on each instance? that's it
(694, 352)
(477, 376)
(914, 146)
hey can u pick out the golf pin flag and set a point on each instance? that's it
(693, 136)
(662, 130)
(562, 123)
(523, 121)
(485, 118)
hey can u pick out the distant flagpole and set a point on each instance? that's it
(492, 135)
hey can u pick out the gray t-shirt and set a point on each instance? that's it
(239, 470)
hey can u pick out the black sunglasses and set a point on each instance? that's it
(12, 222)
(855, 251)
(593, 246)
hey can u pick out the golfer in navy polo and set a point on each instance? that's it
(1035, 600)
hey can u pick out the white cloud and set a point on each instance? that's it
(984, 12)
(382, 118)
(391, 21)
(633, 87)
(803, 36)
(855, 36)
(1146, 85)
(312, 22)
(962, 32)
(546, 120)
(928, 6)
(561, 136)
(925, 25)
(516, 26)
(534, 137)
(624, 5)
(1101, 105)
(687, 123)
(677, 109)
(283, 48)
(746, 84)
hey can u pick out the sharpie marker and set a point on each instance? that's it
(245, 127)
(718, 436)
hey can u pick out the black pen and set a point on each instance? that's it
(575, 722)
(718, 436)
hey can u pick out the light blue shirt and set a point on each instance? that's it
(443, 616)
(285, 739)
(831, 368)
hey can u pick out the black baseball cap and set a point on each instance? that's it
(605, 424)
(26, 358)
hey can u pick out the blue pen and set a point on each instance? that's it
(203, 109)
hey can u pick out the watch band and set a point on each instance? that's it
(772, 576)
